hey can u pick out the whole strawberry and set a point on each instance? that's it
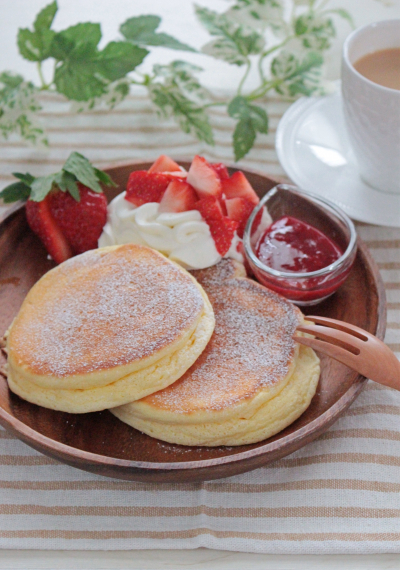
(67, 210)
(80, 222)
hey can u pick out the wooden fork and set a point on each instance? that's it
(354, 347)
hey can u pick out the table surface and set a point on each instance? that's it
(201, 559)
(176, 16)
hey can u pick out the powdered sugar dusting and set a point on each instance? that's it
(101, 310)
(251, 347)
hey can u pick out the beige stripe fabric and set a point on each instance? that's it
(339, 494)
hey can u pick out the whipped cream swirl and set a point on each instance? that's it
(183, 237)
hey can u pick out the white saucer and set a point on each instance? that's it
(314, 150)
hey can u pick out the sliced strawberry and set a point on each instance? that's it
(80, 222)
(223, 205)
(221, 170)
(181, 175)
(222, 232)
(146, 187)
(239, 209)
(42, 223)
(209, 208)
(222, 228)
(164, 164)
(237, 186)
(204, 179)
(178, 197)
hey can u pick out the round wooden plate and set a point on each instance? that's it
(100, 443)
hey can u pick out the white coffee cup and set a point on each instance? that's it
(372, 112)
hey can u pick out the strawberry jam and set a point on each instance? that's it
(291, 245)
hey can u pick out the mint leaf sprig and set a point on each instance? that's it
(76, 169)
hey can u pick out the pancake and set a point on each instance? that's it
(105, 328)
(250, 382)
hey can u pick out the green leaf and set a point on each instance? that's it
(76, 42)
(76, 80)
(315, 31)
(26, 178)
(10, 80)
(40, 187)
(18, 103)
(233, 43)
(77, 168)
(77, 77)
(212, 21)
(104, 178)
(259, 15)
(163, 40)
(84, 72)
(67, 182)
(243, 138)
(35, 46)
(72, 188)
(135, 27)
(191, 118)
(178, 94)
(252, 119)
(240, 108)
(113, 94)
(45, 17)
(180, 75)
(141, 30)
(81, 168)
(294, 76)
(14, 192)
(119, 58)
(259, 119)
(343, 14)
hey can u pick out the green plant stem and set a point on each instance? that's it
(142, 83)
(246, 74)
(267, 53)
(263, 90)
(44, 86)
(216, 104)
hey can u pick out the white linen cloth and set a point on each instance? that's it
(339, 494)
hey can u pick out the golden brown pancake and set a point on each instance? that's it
(107, 327)
(250, 382)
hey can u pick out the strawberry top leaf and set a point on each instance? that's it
(77, 168)
(14, 192)
(26, 178)
(40, 187)
(67, 182)
(81, 168)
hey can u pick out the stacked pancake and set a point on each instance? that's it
(124, 328)
(106, 328)
(250, 382)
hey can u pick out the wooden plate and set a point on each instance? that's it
(100, 443)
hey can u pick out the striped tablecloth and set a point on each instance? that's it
(340, 494)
